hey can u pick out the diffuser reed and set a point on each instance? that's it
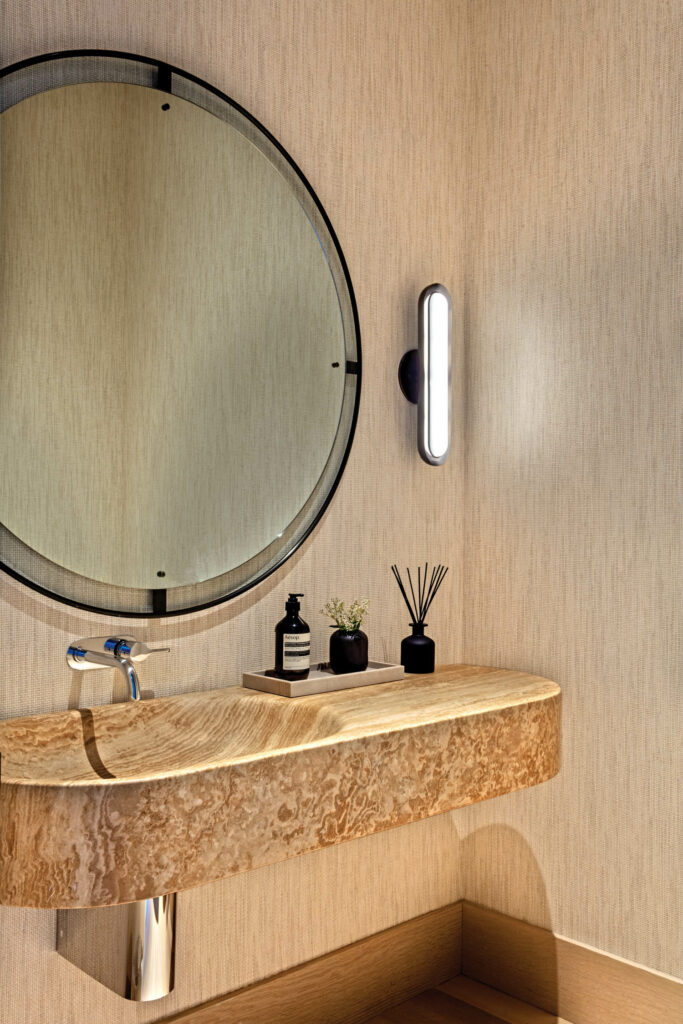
(417, 651)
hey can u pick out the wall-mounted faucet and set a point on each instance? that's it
(119, 652)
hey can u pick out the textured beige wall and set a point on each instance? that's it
(571, 472)
(363, 100)
(573, 559)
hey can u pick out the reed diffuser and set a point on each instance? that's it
(417, 651)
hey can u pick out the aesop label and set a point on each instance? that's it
(296, 651)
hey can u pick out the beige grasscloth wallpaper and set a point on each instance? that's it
(525, 153)
(573, 463)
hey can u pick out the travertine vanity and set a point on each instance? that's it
(128, 801)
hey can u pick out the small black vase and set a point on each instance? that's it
(417, 651)
(348, 651)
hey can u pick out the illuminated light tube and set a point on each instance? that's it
(425, 375)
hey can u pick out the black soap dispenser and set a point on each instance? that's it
(292, 643)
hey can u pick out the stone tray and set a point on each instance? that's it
(323, 680)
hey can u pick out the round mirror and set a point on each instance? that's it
(179, 347)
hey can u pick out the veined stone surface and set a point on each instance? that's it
(123, 802)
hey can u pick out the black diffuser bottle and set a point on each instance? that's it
(292, 643)
(417, 651)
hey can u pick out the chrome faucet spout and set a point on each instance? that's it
(131, 677)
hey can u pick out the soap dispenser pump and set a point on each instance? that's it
(292, 643)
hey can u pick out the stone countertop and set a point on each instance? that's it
(127, 801)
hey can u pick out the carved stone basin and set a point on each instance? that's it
(153, 739)
(124, 802)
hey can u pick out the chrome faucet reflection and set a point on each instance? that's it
(119, 652)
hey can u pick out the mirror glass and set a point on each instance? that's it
(179, 355)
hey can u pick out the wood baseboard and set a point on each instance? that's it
(351, 984)
(576, 982)
(464, 944)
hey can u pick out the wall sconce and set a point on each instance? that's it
(425, 374)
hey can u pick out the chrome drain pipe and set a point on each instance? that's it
(150, 964)
(130, 948)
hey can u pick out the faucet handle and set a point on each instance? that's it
(141, 651)
(132, 649)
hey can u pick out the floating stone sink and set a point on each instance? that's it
(128, 801)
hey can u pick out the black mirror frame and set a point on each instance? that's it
(158, 598)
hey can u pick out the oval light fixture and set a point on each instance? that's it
(425, 375)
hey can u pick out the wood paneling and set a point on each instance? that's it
(520, 968)
(581, 984)
(351, 984)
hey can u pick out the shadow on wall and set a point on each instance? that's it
(491, 950)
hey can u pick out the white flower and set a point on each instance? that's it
(348, 619)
